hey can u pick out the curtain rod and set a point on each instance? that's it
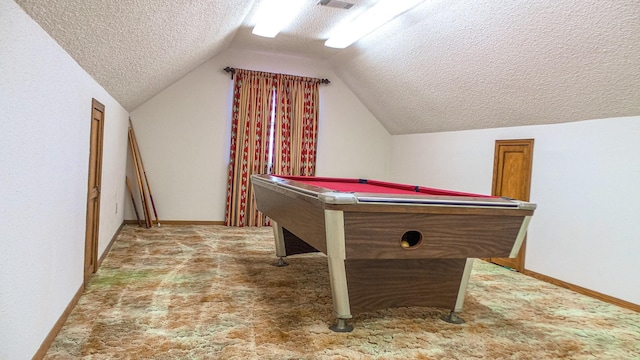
(233, 71)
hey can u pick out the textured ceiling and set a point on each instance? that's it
(479, 64)
(445, 65)
(136, 48)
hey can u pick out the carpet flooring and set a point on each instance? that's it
(210, 292)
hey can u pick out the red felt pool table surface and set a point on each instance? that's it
(363, 191)
(374, 186)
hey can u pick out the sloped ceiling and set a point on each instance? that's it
(444, 65)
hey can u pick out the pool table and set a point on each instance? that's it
(387, 244)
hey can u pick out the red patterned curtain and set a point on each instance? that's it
(296, 126)
(286, 135)
(250, 124)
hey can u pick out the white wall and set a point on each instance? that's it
(585, 182)
(184, 131)
(45, 112)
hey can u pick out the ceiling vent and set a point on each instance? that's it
(336, 4)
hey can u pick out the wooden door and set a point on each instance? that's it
(512, 178)
(93, 190)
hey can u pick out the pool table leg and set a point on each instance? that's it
(462, 291)
(336, 254)
(281, 251)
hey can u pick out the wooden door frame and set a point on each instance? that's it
(519, 262)
(93, 222)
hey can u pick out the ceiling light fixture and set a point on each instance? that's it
(274, 15)
(381, 13)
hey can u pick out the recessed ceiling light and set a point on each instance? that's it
(274, 15)
(381, 13)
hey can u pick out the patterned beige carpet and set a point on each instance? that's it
(210, 292)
